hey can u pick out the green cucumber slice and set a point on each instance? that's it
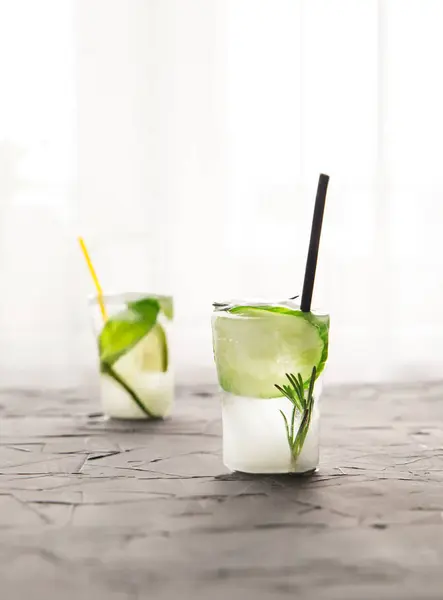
(255, 346)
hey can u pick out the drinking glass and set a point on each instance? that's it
(269, 359)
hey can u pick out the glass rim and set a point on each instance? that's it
(290, 303)
(123, 296)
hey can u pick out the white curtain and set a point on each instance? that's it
(184, 139)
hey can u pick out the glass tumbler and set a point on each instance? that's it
(133, 341)
(269, 359)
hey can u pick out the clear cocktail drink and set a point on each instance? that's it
(269, 359)
(136, 378)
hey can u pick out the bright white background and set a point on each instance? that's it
(184, 139)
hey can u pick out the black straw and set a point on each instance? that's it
(314, 242)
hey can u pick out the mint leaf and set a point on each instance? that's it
(166, 306)
(125, 329)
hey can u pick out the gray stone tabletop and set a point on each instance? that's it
(105, 510)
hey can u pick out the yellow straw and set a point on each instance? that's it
(95, 279)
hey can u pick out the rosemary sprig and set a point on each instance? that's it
(295, 393)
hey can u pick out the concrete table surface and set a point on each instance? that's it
(105, 510)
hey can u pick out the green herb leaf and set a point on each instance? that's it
(301, 435)
(311, 385)
(299, 396)
(294, 410)
(166, 306)
(287, 428)
(125, 329)
(296, 394)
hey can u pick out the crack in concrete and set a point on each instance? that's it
(46, 520)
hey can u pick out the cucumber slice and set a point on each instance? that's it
(150, 354)
(144, 368)
(255, 346)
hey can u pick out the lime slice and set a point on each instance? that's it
(150, 354)
(255, 347)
